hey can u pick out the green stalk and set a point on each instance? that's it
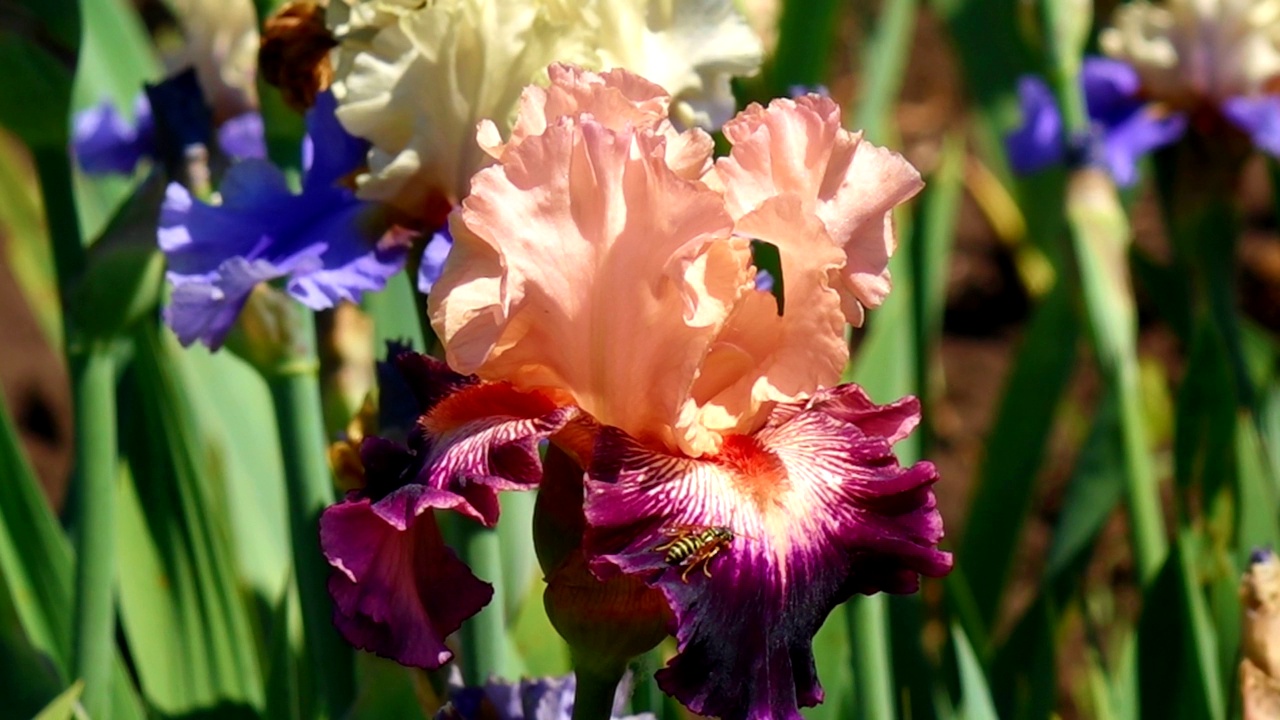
(484, 637)
(53, 168)
(1099, 241)
(96, 468)
(93, 386)
(872, 661)
(593, 697)
(299, 416)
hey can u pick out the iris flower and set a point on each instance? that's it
(601, 296)
(326, 244)
(414, 78)
(1207, 58)
(1124, 126)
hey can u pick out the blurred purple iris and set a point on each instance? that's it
(1259, 117)
(328, 245)
(1124, 127)
(106, 143)
(528, 699)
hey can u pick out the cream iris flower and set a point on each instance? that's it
(1189, 51)
(414, 78)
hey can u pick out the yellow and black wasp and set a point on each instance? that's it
(691, 547)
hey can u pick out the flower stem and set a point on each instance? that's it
(93, 380)
(484, 637)
(593, 697)
(872, 662)
(95, 478)
(1100, 236)
(299, 416)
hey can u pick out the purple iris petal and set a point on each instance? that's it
(1110, 89)
(1037, 144)
(778, 528)
(433, 257)
(243, 137)
(471, 439)
(1259, 117)
(1124, 127)
(328, 244)
(342, 151)
(1126, 142)
(104, 142)
(382, 600)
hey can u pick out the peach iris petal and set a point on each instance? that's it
(588, 265)
(778, 357)
(797, 148)
(616, 99)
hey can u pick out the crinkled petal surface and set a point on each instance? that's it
(798, 149)
(1259, 117)
(418, 88)
(585, 264)
(819, 509)
(1037, 143)
(472, 439)
(329, 245)
(387, 582)
(692, 48)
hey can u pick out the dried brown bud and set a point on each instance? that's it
(294, 55)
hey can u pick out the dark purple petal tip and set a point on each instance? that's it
(387, 580)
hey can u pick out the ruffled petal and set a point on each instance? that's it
(798, 148)
(1259, 117)
(386, 584)
(768, 353)
(790, 522)
(583, 263)
(472, 439)
(203, 308)
(691, 48)
(615, 99)
(331, 246)
(1037, 143)
(417, 89)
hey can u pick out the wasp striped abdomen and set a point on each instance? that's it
(693, 547)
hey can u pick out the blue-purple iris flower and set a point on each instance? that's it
(106, 143)
(528, 699)
(1124, 127)
(326, 243)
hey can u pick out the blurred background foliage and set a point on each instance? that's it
(1102, 407)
